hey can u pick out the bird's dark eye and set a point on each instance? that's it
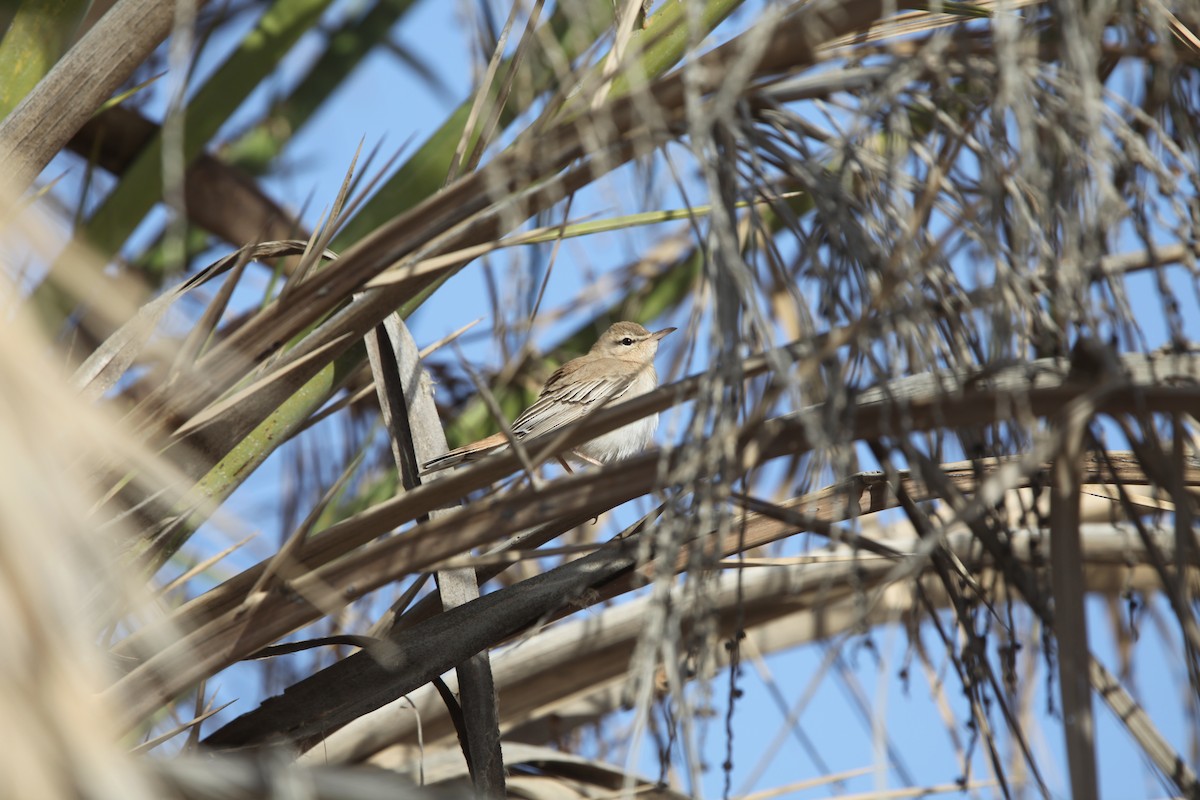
(627, 341)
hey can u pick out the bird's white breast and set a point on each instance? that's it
(632, 438)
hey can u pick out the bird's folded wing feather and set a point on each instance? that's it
(567, 397)
(564, 402)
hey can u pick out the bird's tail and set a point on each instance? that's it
(465, 454)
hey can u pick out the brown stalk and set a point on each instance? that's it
(1067, 587)
(220, 198)
(82, 80)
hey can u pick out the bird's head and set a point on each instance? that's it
(629, 341)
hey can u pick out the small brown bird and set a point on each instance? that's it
(620, 365)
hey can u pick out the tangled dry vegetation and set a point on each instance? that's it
(936, 281)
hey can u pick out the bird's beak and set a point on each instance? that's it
(660, 334)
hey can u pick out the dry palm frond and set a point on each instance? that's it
(949, 215)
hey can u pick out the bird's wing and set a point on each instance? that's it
(569, 395)
(564, 401)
